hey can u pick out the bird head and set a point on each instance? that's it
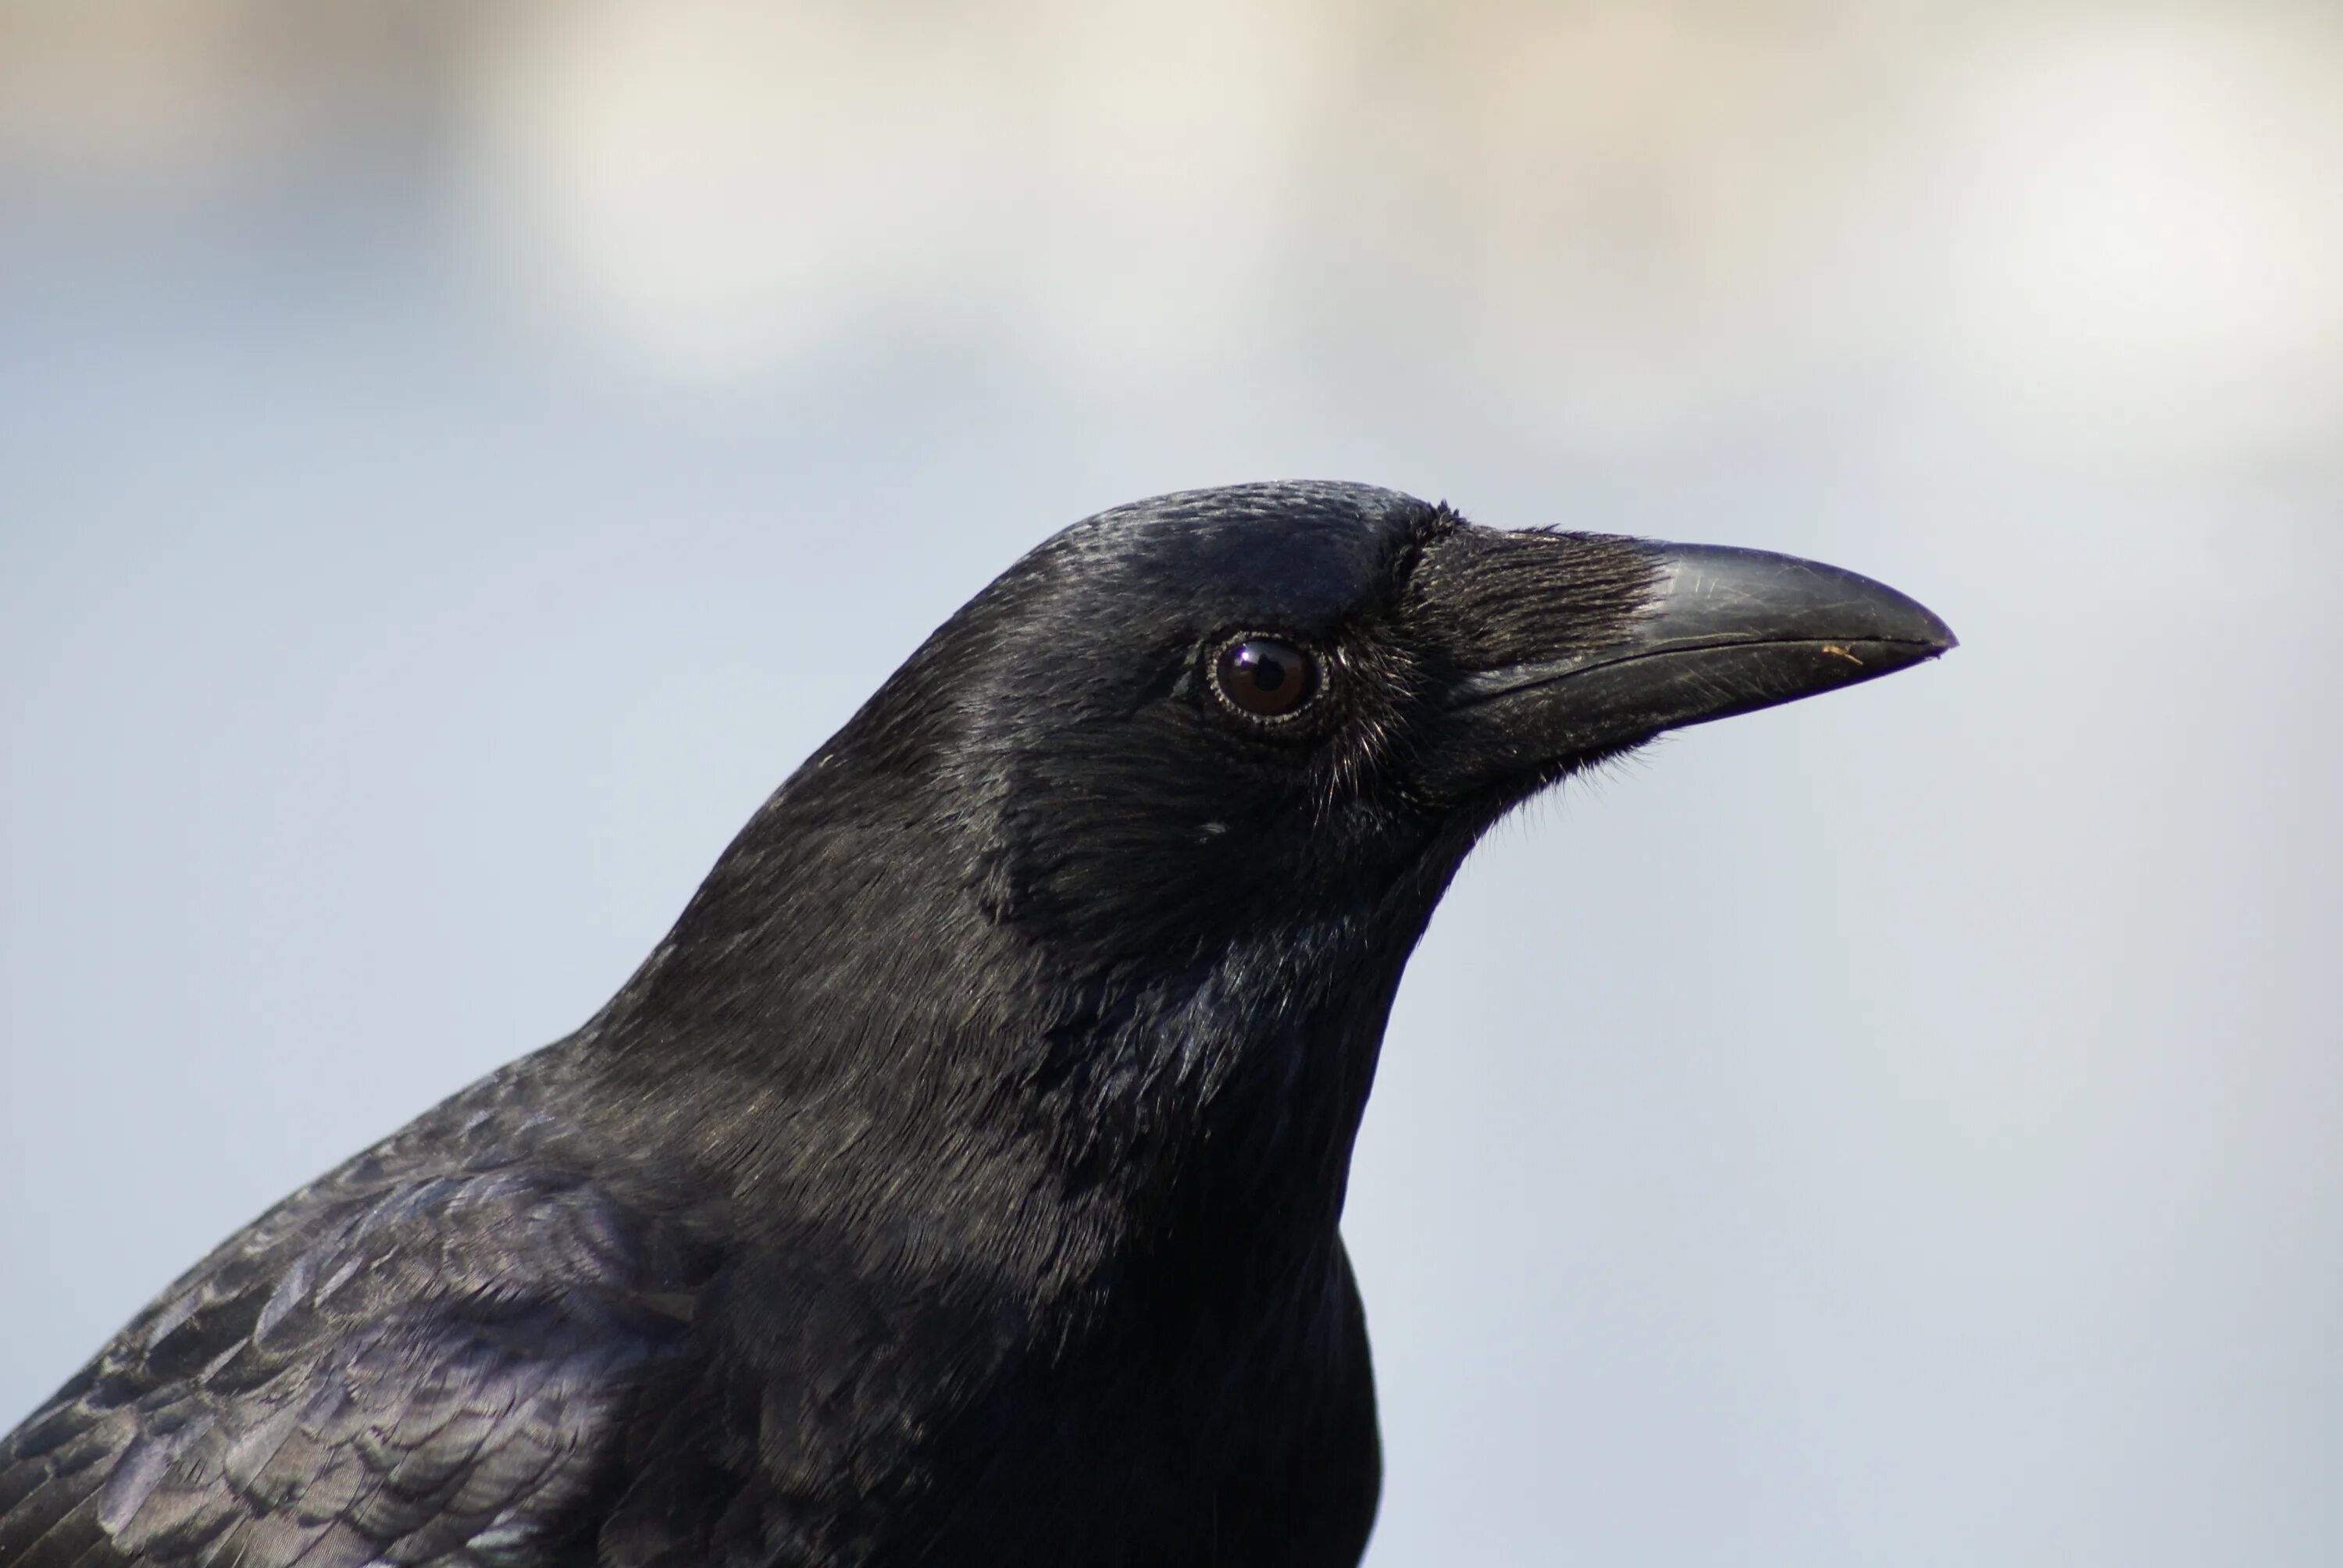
(1281, 702)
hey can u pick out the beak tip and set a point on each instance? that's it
(1922, 625)
(1931, 632)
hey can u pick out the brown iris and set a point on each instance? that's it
(1266, 677)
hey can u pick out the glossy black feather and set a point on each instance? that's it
(425, 1356)
(959, 1182)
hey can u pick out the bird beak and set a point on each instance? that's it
(1725, 631)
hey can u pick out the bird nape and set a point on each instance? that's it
(958, 1183)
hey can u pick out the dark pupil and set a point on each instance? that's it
(1265, 676)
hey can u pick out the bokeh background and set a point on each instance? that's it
(456, 459)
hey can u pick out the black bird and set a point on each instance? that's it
(958, 1183)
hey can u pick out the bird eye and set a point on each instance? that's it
(1266, 677)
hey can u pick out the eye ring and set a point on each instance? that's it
(1264, 678)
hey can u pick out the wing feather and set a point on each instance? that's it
(417, 1371)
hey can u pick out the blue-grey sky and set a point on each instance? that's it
(454, 463)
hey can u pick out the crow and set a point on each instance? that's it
(959, 1182)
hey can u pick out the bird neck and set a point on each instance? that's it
(853, 1025)
(898, 1049)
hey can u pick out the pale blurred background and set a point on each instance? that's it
(454, 460)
